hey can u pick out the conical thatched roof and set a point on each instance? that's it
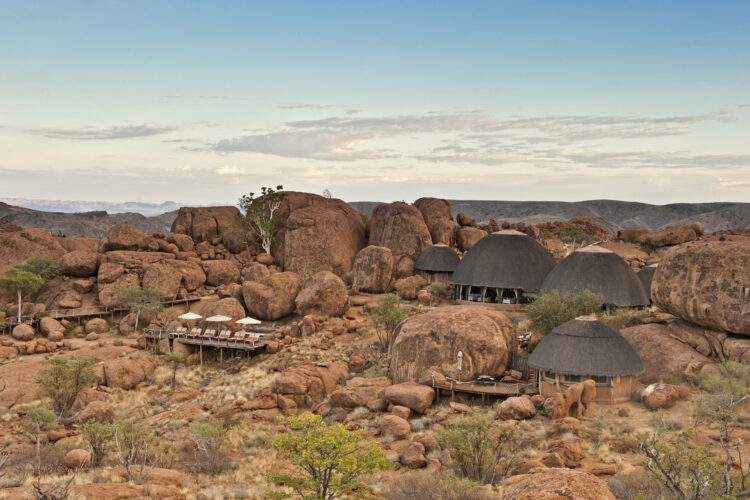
(646, 275)
(437, 259)
(505, 259)
(600, 271)
(586, 347)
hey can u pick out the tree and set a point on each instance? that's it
(328, 459)
(141, 300)
(63, 379)
(209, 436)
(98, 436)
(387, 315)
(21, 282)
(482, 450)
(257, 215)
(555, 308)
(133, 446)
(41, 420)
(175, 359)
(43, 267)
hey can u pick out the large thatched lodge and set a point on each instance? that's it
(437, 262)
(583, 349)
(505, 266)
(600, 271)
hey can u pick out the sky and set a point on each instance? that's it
(200, 102)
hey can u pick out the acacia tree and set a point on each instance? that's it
(257, 215)
(63, 379)
(386, 315)
(44, 267)
(328, 459)
(140, 300)
(175, 359)
(22, 283)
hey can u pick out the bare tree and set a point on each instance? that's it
(257, 214)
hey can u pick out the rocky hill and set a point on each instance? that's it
(84, 224)
(610, 214)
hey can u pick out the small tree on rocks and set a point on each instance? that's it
(22, 283)
(257, 215)
(328, 459)
(44, 267)
(555, 308)
(98, 436)
(141, 300)
(63, 379)
(387, 315)
(175, 359)
(133, 446)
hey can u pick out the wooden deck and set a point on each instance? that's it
(484, 389)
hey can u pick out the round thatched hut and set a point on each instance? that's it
(646, 275)
(583, 349)
(438, 262)
(502, 266)
(600, 271)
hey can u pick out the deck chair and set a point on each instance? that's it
(239, 336)
(209, 334)
(180, 332)
(195, 332)
(225, 335)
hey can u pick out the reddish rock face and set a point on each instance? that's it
(322, 293)
(222, 272)
(706, 283)
(557, 483)
(126, 373)
(432, 341)
(373, 268)
(401, 228)
(516, 408)
(127, 237)
(108, 293)
(391, 425)
(465, 220)
(438, 216)
(79, 263)
(274, 297)
(360, 392)
(205, 223)
(412, 395)
(163, 278)
(317, 234)
(467, 237)
(673, 235)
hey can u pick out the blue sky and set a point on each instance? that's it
(203, 101)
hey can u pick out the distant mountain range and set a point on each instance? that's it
(610, 214)
(75, 206)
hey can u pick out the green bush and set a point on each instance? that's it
(365, 218)
(632, 234)
(426, 486)
(625, 317)
(386, 315)
(571, 232)
(555, 308)
(63, 379)
(98, 435)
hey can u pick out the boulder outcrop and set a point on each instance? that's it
(126, 373)
(274, 297)
(222, 272)
(164, 278)
(401, 228)
(672, 235)
(205, 223)
(557, 484)
(516, 408)
(467, 237)
(706, 282)
(438, 216)
(432, 340)
(412, 395)
(322, 293)
(80, 263)
(127, 237)
(373, 269)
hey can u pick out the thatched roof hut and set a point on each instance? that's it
(505, 260)
(437, 259)
(646, 275)
(600, 271)
(586, 347)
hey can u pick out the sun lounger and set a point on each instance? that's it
(209, 334)
(239, 336)
(180, 332)
(194, 333)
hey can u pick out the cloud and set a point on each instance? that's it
(468, 136)
(303, 105)
(127, 131)
(230, 170)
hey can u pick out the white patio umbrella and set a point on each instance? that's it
(218, 319)
(248, 321)
(189, 315)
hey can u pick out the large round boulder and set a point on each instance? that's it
(127, 237)
(108, 293)
(272, 298)
(438, 216)
(557, 483)
(205, 223)
(401, 228)
(322, 293)
(77, 459)
(706, 283)
(466, 237)
(23, 332)
(228, 306)
(222, 272)
(80, 263)
(432, 340)
(49, 325)
(672, 235)
(164, 278)
(97, 325)
(316, 234)
(373, 269)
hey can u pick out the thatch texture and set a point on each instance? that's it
(505, 259)
(600, 271)
(586, 347)
(437, 259)
(646, 275)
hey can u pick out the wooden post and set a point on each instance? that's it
(221, 357)
(200, 347)
(518, 296)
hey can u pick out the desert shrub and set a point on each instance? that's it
(69, 328)
(365, 218)
(632, 234)
(63, 379)
(546, 234)
(133, 445)
(209, 437)
(481, 449)
(386, 315)
(175, 359)
(44, 267)
(625, 317)
(98, 436)
(555, 308)
(440, 289)
(328, 460)
(571, 232)
(427, 486)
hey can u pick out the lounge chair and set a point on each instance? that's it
(209, 334)
(194, 333)
(239, 336)
(180, 332)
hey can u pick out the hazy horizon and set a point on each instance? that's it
(202, 102)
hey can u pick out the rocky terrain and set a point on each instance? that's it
(315, 294)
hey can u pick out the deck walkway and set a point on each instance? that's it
(484, 389)
(245, 346)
